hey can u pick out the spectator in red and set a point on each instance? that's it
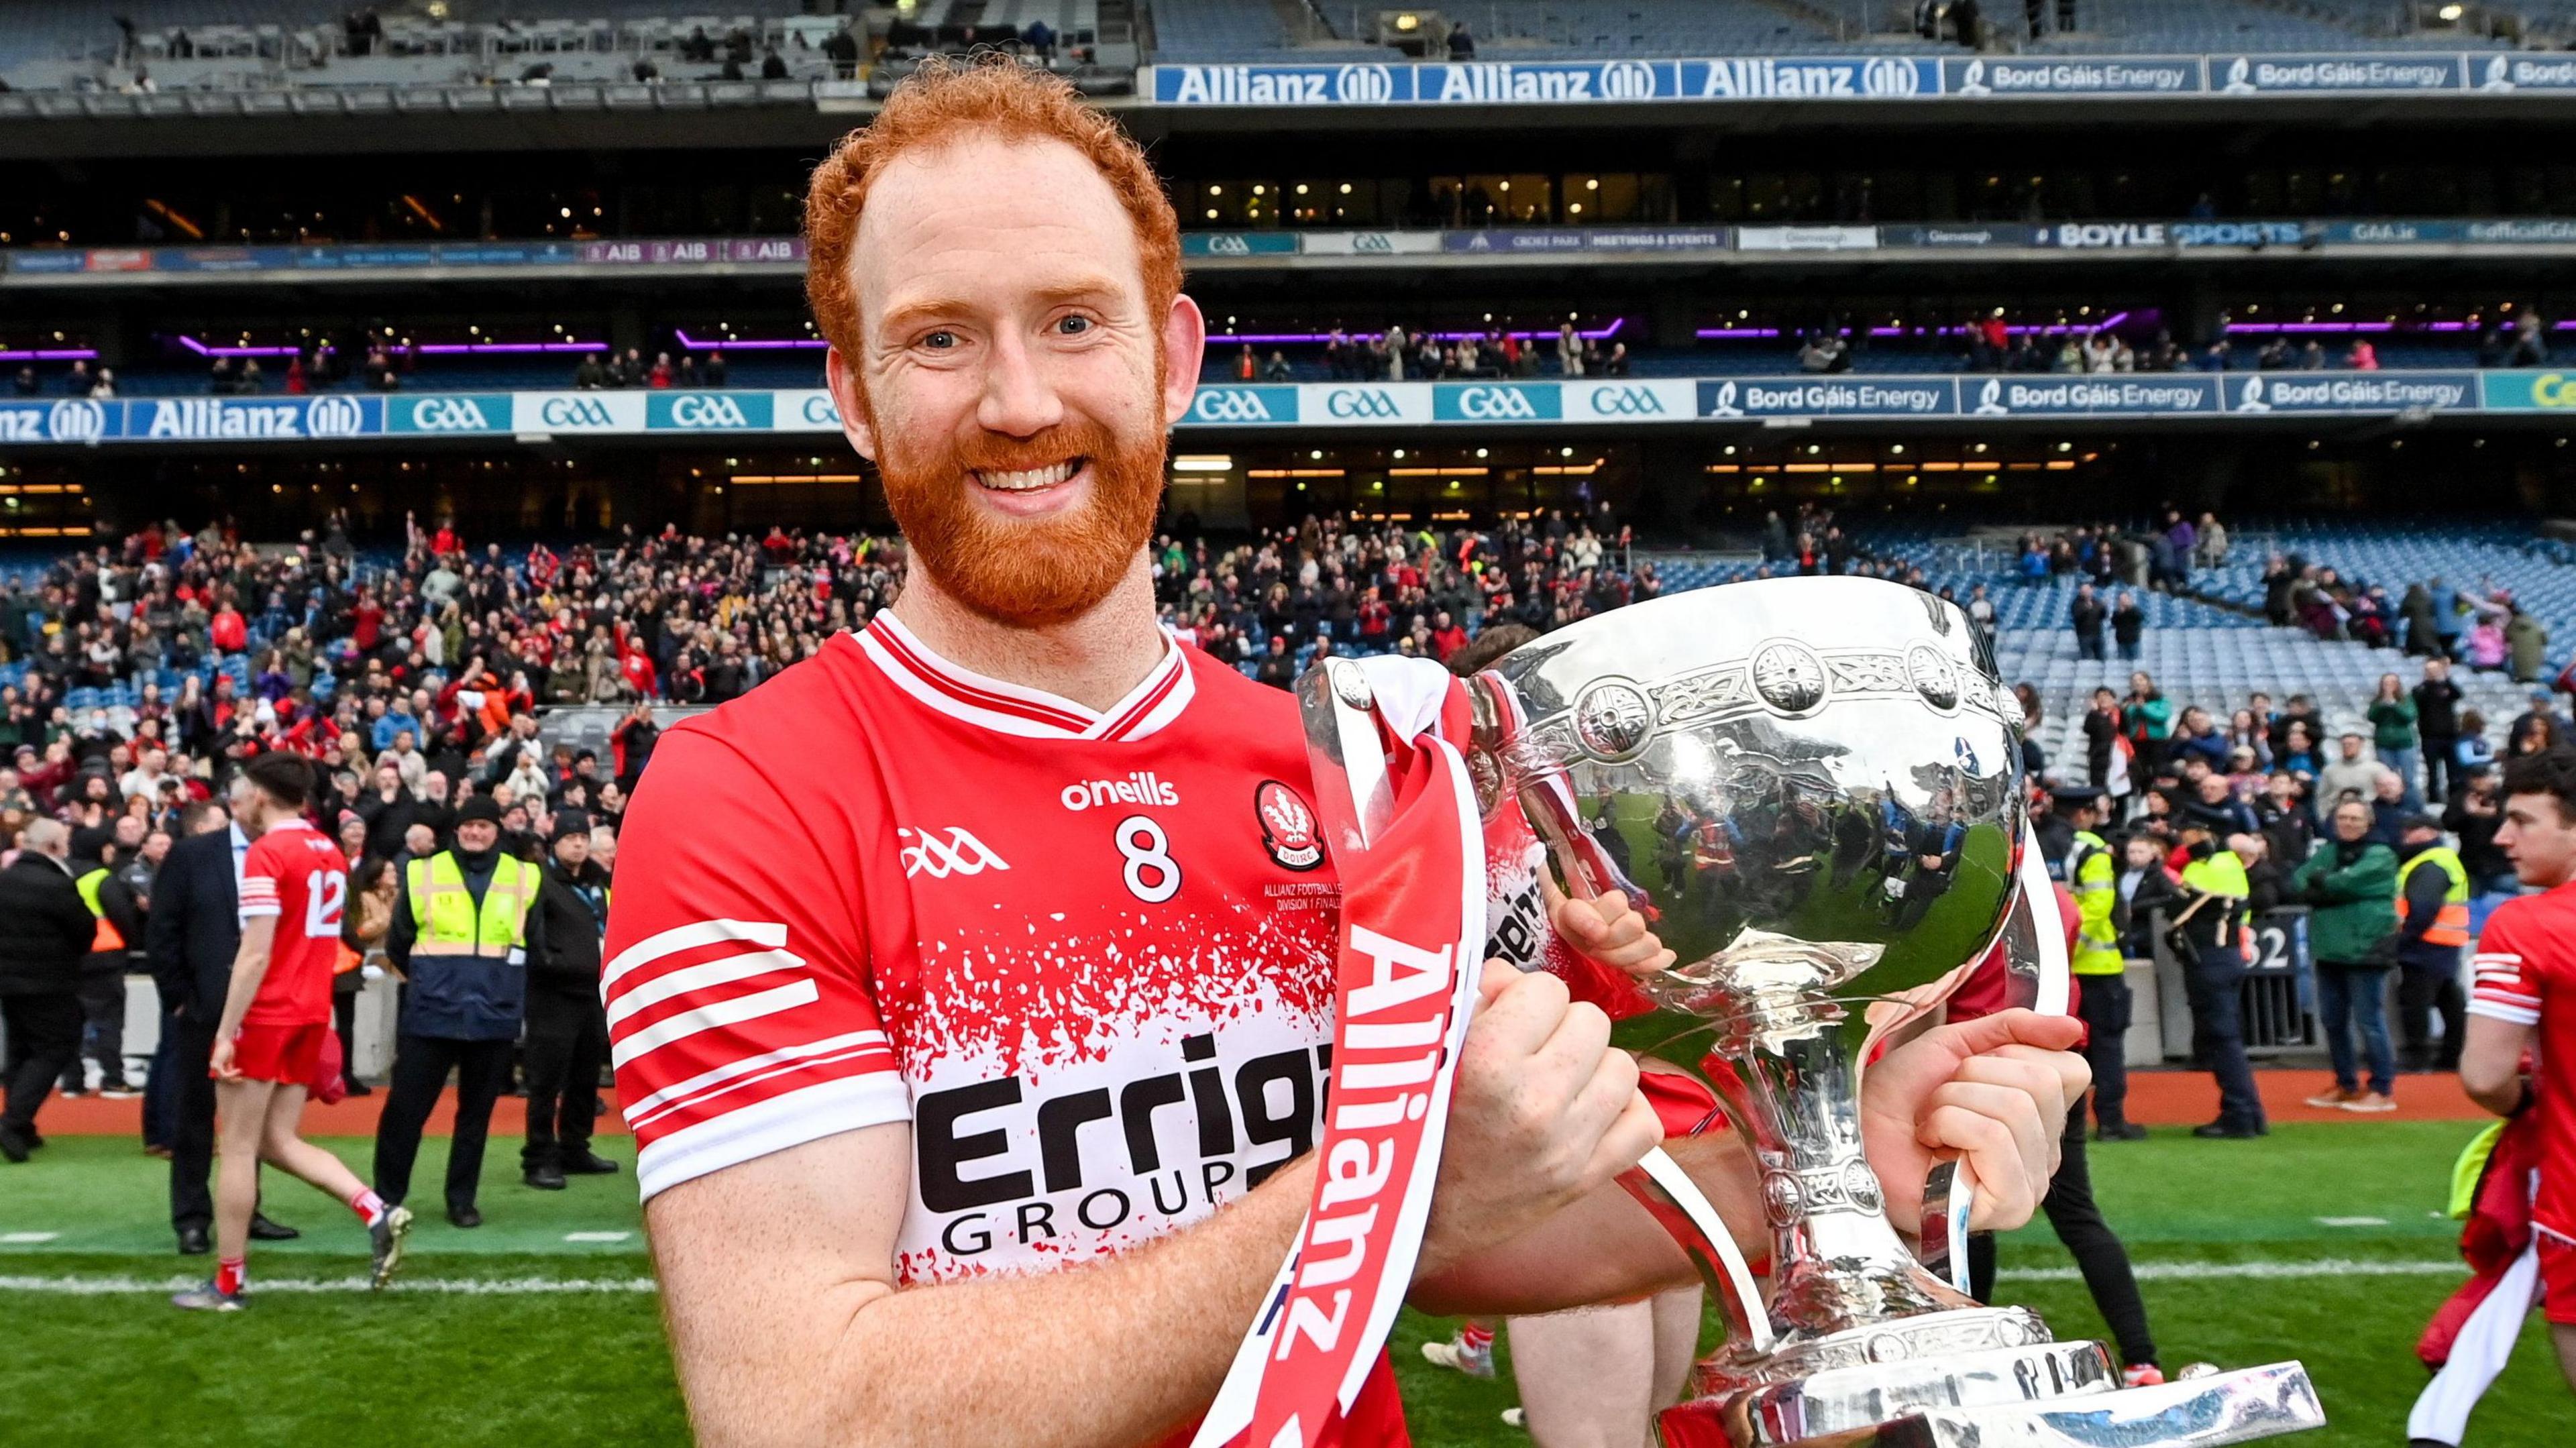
(229, 632)
(367, 621)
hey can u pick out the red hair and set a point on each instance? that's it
(945, 101)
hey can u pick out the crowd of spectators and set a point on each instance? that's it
(2483, 628)
(143, 672)
(1396, 355)
(594, 374)
(1329, 585)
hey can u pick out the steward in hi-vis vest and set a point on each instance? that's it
(2432, 927)
(461, 937)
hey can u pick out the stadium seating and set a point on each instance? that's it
(2486, 559)
(2191, 27)
(2201, 653)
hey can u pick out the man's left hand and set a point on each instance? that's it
(1995, 1092)
(1608, 929)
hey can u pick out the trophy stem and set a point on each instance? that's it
(1785, 1070)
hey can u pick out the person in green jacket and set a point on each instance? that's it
(2528, 646)
(2146, 716)
(2352, 886)
(2392, 728)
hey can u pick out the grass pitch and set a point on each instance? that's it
(2322, 1242)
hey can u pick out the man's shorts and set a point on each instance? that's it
(287, 1055)
(2557, 1278)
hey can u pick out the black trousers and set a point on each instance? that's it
(2097, 1250)
(2441, 768)
(44, 1032)
(421, 1064)
(2214, 983)
(102, 1037)
(191, 1123)
(563, 1089)
(2422, 990)
(2102, 1002)
(344, 1020)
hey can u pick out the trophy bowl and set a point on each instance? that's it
(1814, 789)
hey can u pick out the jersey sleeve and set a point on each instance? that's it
(740, 1021)
(2509, 967)
(263, 868)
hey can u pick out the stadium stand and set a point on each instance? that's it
(2189, 27)
(2497, 561)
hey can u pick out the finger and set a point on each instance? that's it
(2004, 1196)
(2033, 1147)
(2074, 1073)
(1636, 1131)
(2012, 1027)
(1601, 1096)
(1522, 1014)
(1573, 1051)
(2038, 1080)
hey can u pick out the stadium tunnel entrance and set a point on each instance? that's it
(1691, 486)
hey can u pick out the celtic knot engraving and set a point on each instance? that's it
(1868, 673)
(1696, 694)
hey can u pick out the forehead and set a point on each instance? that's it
(982, 217)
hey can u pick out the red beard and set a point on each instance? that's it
(1027, 572)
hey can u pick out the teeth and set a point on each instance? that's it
(1028, 481)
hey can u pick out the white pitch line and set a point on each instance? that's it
(455, 1286)
(2244, 1271)
(26, 1239)
(597, 1236)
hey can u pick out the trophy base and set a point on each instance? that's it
(1942, 1337)
(2051, 1395)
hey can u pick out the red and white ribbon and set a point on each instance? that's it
(1399, 815)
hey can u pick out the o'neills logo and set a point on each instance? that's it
(1142, 787)
(1287, 826)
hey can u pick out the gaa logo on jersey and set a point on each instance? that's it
(1287, 826)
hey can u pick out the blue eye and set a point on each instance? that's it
(1075, 326)
(940, 340)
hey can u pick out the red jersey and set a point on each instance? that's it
(2526, 974)
(294, 873)
(1089, 956)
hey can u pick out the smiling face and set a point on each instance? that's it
(1015, 380)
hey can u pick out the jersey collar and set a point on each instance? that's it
(1006, 708)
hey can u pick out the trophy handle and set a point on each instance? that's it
(2038, 977)
(1949, 1197)
(1661, 1186)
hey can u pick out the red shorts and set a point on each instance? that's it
(2557, 1280)
(287, 1055)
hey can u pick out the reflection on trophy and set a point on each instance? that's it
(1814, 786)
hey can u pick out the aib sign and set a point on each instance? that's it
(1497, 402)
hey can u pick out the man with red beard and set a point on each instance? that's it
(970, 985)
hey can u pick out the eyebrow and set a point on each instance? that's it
(906, 315)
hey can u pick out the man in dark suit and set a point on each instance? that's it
(45, 932)
(191, 936)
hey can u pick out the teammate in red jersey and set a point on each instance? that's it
(966, 984)
(268, 1046)
(2523, 1005)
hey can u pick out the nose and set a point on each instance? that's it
(1019, 400)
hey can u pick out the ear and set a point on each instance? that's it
(1184, 346)
(844, 385)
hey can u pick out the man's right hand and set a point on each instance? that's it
(1544, 1112)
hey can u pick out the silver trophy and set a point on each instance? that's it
(1814, 786)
